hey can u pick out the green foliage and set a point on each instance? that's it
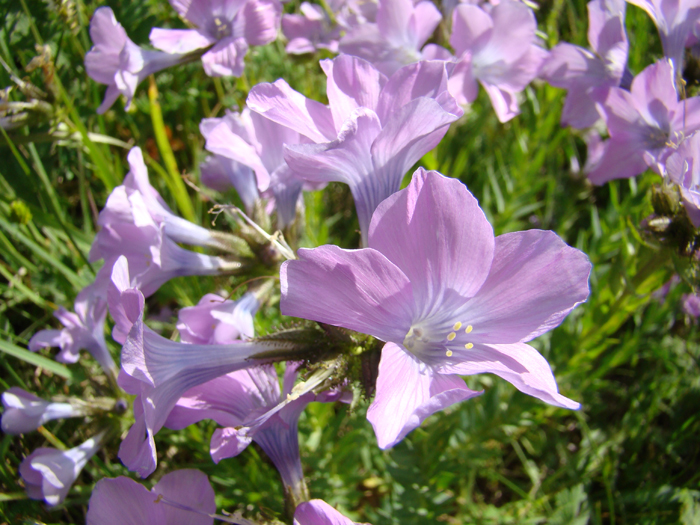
(630, 456)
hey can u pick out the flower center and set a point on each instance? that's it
(422, 341)
(222, 29)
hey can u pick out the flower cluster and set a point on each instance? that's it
(430, 295)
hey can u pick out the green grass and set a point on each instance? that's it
(630, 456)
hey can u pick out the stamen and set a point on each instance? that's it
(451, 336)
(469, 346)
(457, 326)
(468, 329)
(448, 353)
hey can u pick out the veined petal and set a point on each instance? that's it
(259, 21)
(223, 141)
(281, 104)
(535, 281)
(408, 391)
(435, 232)
(179, 40)
(407, 135)
(137, 450)
(346, 159)
(226, 58)
(229, 400)
(427, 78)
(519, 364)
(358, 289)
(352, 83)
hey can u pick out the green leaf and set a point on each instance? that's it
(36, 359)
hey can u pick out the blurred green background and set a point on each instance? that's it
(629, 456)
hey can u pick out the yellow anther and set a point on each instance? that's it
(468, 329)
(469, 346)
(451, 336)
(457, 326)
(448, 353)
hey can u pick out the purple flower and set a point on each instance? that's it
(448, 298)
(318, 512)
(683, 167)
(218, 321)
(159, 371)
(24, 412)
(398, 35)
(496, 46)
(182, 497)
(153, 256)
(642, 123)
(579, 70)
(116, 61)
(691, 304)
(310, 31)
(248, 141)
(249, 404)
(374, 130)
(83, 329)
(221, 172)
(48, 473)
(128, 201)
(675, 20)
(230, 26)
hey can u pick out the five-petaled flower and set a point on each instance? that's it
(447, 296)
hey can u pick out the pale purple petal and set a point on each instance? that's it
(406, 136)
(189, 488)
(471, 28)
(534, 282)
(408, 391)
(49, 473)
(179, 40)
(260, 21)
(228, 442)
(352, 83)
(224, 142)
(462, 84)
(425, 20)
(229, 400)
(217, 321)
(123, 501)
(580, 110)
(182, 497)
(357, 289)
(519, 364)
(619, 160)
(45, 339)
(436, 233)
(226, 58)
(138, 449)
(220, 173)
(691, 305)
(422, 79)
(570, 66)
(318, 512)
(280, 103)
(346, 159)
(25, 412)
